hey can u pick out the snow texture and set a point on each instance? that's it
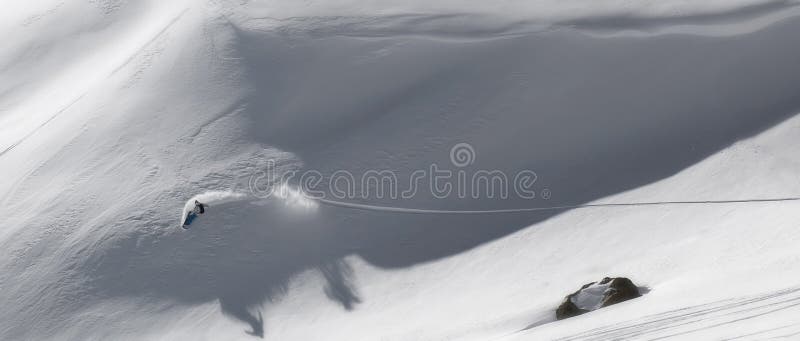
(114, 113)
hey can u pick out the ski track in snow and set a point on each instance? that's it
(685, 321)
(76, 100)
(15, 144)
(376, 208)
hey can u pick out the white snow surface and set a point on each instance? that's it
(115, 114)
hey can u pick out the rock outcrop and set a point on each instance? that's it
(596, 295)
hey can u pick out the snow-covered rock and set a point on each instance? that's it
(596, 295)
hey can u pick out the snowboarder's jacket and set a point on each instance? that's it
(199, 207)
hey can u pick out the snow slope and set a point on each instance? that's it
(113, 114)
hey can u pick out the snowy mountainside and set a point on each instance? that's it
(113, 114)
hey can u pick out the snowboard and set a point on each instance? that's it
(189, 219)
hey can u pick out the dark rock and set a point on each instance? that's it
(568, 309)
(597, 295)
(621, 290)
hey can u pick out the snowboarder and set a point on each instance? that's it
(199, 208)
